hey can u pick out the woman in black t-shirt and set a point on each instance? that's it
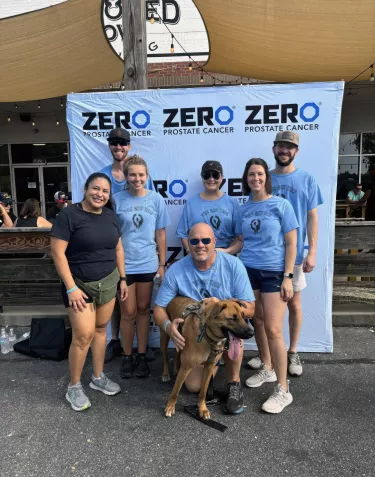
(87, 251)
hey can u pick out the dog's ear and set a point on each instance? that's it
(218, 308)
(240, 303)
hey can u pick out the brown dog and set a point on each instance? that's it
(206, 330)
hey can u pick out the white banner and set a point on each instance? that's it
(177, 130)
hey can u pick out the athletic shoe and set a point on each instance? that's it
(150, 355)
(112, 350)
(77, 398)
(104, 385)
(127, 367)
(294, 364)
(278, 400)
(262, 376)
(255, 363)
(234, 402)
(141, 367)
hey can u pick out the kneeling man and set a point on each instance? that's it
(202, 274)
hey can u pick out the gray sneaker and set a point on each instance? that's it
(260, 377)
(77, 398)
(105, 385)
(294, 364)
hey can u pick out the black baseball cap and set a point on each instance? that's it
(5, 198)
(212, 166)
(119, 133)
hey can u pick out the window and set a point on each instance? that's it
(4, 157)
(39, 153)
(356, 162)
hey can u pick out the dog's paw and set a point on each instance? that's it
(205, 414)
(169, 410)
(165, 378)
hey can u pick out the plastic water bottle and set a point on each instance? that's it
(157, 282)
(12, 339)
(4, 341)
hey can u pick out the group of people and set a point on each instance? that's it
(112, 245)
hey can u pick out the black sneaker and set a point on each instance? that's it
(127, 367)
(234, 402)
(141, 367)
(112, 350)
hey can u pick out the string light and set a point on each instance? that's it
(9, 120)
(172, 45)
(372, 74)
(38, 105)
(61, 103)
(57, 122)
(33, 123)
(152, 19)
(202, 79)
(122, 86)
(190, 66)
(16, 105)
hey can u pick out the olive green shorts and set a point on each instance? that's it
(99, 292)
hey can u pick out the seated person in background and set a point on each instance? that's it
(30, 216)
(355, 199)
(206, 273)
(61, 202)
(6, 216)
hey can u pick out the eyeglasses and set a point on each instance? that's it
(120, 142)
(205, 241)
(208, 174)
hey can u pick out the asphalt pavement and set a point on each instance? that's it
(329, 429)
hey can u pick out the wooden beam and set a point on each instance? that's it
(24, 240)
(358, 265)
(355, 235)
(135, 44)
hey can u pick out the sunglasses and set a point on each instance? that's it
(120, 142)
(205, 241)
(207, 175)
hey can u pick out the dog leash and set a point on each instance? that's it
(192, 410)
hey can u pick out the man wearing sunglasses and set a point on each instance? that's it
(119, 145)
(205, 273)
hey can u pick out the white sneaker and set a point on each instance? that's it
(255, 363)
(262, 376)
(294, 364)
(278, 400)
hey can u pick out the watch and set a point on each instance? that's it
(288, 275)
(122, 279)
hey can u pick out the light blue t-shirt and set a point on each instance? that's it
(117, 186)
(227, 278)
(302, 191)
(263, 226)
(220, 214)
(139, 218)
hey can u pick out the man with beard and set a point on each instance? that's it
(302, 191)
(119, 145)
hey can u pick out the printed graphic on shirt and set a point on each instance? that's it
(137, 220)
(215, 222)
(255, 225)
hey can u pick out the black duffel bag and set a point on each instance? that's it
(49, 339)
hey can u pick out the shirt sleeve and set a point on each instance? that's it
(315, 197)
(288, 218)
(168, 289)
(242, 287)
(62, 226)
(238, 226)
(150, 184)
(182, 230)
(162, 219)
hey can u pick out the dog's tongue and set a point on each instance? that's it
(234, 347)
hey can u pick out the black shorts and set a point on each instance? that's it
(267, 281)
(139, 278)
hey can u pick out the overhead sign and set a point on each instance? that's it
(177, 130)
(180, 16)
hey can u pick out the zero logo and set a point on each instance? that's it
(307, 118)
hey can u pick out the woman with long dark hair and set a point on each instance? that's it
(30, 215)
(87, 250)
(267, 227)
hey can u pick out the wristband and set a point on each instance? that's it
(122, 279)
(71, 290)
(166, 324)
(163, 265)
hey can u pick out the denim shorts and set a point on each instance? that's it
(99, 292)
(266, 281)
